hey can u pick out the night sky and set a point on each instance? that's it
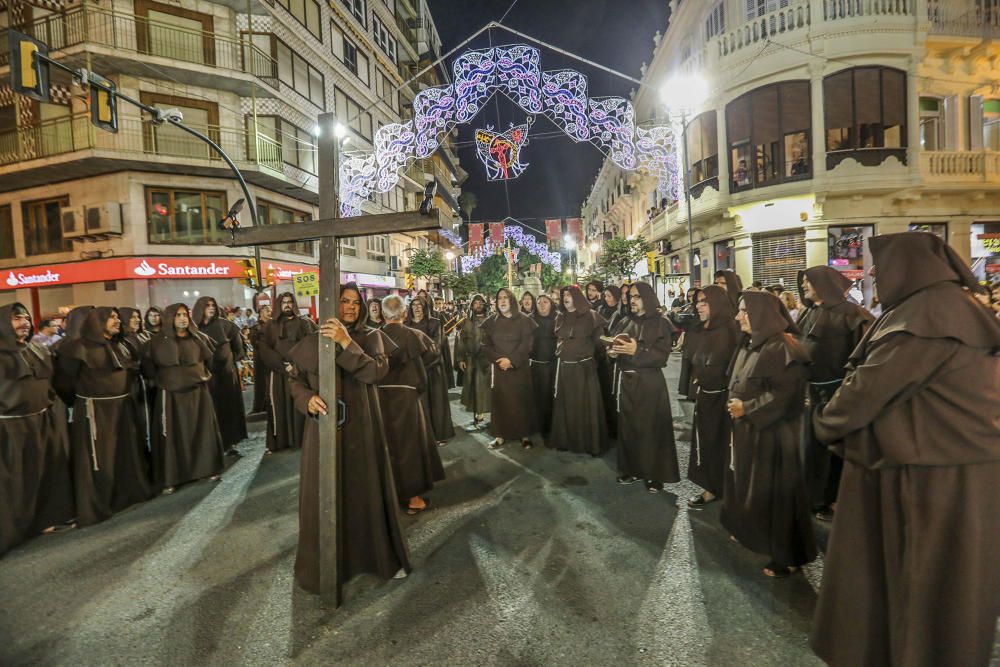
(560, 172)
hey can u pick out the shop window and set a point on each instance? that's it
(769, 130)
(185, 217)
(42, 225)
(307, 13)
(725, 255)
(846, 249)
(6, 232)
(275, 214)
(931, 124)
(865, 112)
(986, 250)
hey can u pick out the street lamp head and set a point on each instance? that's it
(594, 247)
(685, 93)
(568, 242)
(339, 131)
(449, 255)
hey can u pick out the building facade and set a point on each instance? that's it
(253, 75)
(826, 122)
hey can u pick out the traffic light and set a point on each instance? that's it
(651, 262)
(103, 103)
(409, 280)
(249, 273)
(29, 74)
(271, 277)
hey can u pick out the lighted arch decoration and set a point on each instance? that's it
(519, 237)
(560, 96)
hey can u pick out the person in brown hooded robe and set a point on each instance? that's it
(261, 376)
(416, 463)
(36, 491)
(718, 338)
(543, 362)
(910, 576)
(607, 370)
(225, 385)
(109, 467)
(831, 328)
(374, 541)
(528, 304)
(438, 403)
(142, 392)
(765, 505)
(594, 291)
(578, 421)
(646, 448)
(473, 363)
(284, 422)
(730, 281)
(152, 321)
(186, 442)
(444, 345)
(507, 339)
(72, 325)
(686, 320)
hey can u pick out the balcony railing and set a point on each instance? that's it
(960, 166)
(964, 18)
(795, 17)
(834, 10)
(141, 140)
(90, 24)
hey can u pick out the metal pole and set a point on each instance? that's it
(687, 199)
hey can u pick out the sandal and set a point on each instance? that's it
(527, 444)
(776, 571)
(653, 487)
(825, 514)
(170, 489)
(699, 502)
(413, 511)
(496, 443)
(627, 479)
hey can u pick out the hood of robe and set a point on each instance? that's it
(830, 284)
(278, 314)
(73, 324)
(599, 284)
(534, 304)
(734, 284)
(553, 311)
(363, 315)
(145, 320)
(8, 339)
(908, 262)
(720, 307)
(165, 349)
(579, 300)
(126, 312)
(650, 301)
(472, 301)
(95, 322)
(768, 317)
(616, 292)
(200, 306)
(515, 308)
(427, 309)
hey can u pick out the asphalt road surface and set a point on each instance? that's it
(526, 558)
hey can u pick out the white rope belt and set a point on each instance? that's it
(618, 390)
(274, 413)
(560, 362)
(493, 369)
(732, 449)
(536, 361)
(396, 386)
(823, 384)
(32, 414)
(145, 407)
(92, 422)
(712, 391)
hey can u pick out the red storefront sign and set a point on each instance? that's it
(134, 268)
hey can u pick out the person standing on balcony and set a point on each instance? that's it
(225, 385)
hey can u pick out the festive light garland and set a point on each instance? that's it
(501, 151)
(519, 237)
(561, 96)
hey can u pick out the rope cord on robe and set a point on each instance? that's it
(618, 391)
(828, 382)
(493, 368)
(145, 407)
(396, 386)
(560, 362)
(732, 450)
(163, 412)
(92, 422)
(30, 414)
(537, 361)
(274, 411)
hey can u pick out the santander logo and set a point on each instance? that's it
(20, 279)
(144, 269)
(173, 269)
(12, 280)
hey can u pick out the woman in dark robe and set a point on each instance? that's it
(109, 468)
(507, 339)
(473, 363)
(528, 304)
(646, 448)
(152, 321)
(732, 283)
(444, 345)
(186, 442)
(543, 362)
(712, 427)
(261, 376)
(766, 505)
(607, 369)
(375, 320)
(375, 542)
(142, 392)
(620, 319)
(36, 491)
(578, 422)
(911, 567)
(610, 302)
(224, 385)
(438, 404)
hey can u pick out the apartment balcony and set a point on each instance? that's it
(754, 34)
(964, 18)
(960, 168)
(71, 148)
(195, 57)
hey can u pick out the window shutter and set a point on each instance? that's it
(976, 122)
(949, 117)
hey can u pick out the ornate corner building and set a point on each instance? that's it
(826, 122)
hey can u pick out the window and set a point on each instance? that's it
(42, 226)
(725, 255)
(702, 149)
(931, 124)
(185, 217)
(347, 53)
(991, 125)
(294, 71)
(865, 111)
(384, 90)
(6, 233)
(768, 130)
(757, 8)
(349, 246)
(277, 137)
(376, 248)
(936, 228)
(275, 214)
(350, 110)
(307, 13)
(166, 139)
(716, 22)
(357, 7)
(383, 38)
(172, 32)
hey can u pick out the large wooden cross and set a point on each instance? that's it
(329, 229)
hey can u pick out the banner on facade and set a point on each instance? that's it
(574, 229)
(553, 232)
(475, 235)
(496, 233)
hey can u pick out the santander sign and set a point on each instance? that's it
(175, 268)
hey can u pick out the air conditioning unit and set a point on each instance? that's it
(104, 220)
(73, 223)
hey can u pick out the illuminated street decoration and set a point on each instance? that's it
(501, 153)
(513, 71)
(520, 238)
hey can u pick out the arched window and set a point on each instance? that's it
(865, 111)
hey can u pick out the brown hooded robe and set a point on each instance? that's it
(225, 385)
(910, 577)
(35, 485)
(711, 357)
(142, 391)
(578, 422)
(766, 506)
(438, 403)
(469, 350)
(373, 540)
(282, 333)
(543, 366)
(646, 447)
(416, 463)
(109, 465)
(512, 399)
(830, 332)
(261, 376)
(186, 442)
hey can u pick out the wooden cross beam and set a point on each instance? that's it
(328, 230)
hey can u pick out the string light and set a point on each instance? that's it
(517, 235)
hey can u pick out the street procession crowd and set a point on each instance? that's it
(803, 408)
